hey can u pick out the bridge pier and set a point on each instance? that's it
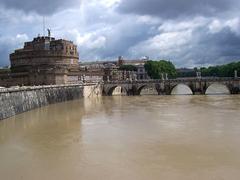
(198, 93)
(133, 91)
(235, 90)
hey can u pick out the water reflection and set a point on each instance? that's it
(119, 91)
(181, 89)
(149, 91)
(217, 89)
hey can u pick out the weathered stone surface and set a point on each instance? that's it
(17, 100)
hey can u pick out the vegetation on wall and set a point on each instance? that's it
(156, 68)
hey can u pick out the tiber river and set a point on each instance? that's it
(125, 138)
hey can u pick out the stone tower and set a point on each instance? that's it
(44, 61)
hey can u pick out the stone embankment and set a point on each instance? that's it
(16, 100)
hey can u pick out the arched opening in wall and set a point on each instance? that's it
(217, 88)
(147, 90)
(118, 91)
(181, 89)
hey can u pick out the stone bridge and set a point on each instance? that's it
(165, 87)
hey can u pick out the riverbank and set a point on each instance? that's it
(21, 99)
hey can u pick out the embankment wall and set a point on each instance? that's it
(21, 99)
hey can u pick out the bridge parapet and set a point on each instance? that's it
(197, 85)
(174, 80)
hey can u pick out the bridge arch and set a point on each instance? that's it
(181, 89)
(147, 90)
(218, 88)
(110, 90)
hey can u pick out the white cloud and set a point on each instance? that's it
(163, 45)
(218, 24)
(17, 40)
(215, 26)
(173, 26)
(89, 40)
(234, 25)
(109, 3)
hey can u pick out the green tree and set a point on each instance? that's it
(156, 68)
(128, 68)
(226, 70)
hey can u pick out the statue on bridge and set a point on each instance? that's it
(235, 74)
(162, 76)
(166, 76)
(199, 74)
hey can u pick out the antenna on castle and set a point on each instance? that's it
(44, 26)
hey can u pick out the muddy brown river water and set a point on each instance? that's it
(125, 138)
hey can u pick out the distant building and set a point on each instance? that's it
(95, 70)
(122, 61)
(141, 73)
(42, 61)
(46, 61)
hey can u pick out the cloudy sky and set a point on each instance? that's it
(188, 32)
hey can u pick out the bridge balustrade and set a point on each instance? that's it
(197, 85)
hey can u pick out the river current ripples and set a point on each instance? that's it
(130, 138)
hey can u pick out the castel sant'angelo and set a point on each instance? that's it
(45, 60)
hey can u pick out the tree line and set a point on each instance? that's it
(156, 68)
(226, 70)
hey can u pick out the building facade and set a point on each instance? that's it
(43, 61)
(49, 61)
(141, 73)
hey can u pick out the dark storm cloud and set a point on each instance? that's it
(43, 7)
(124, 35)
(193, 43)
(207, 48)
(4, 54)
(174, 8)
(216, 48)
